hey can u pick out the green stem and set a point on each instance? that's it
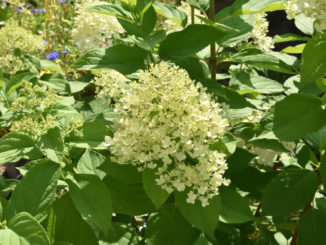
(212, 60)
(192, 15)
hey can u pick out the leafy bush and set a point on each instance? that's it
(144, 122)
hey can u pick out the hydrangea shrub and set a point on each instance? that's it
(158, 122)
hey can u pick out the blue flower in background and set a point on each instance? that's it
(53, 55)
(65, 51)
(61, 1)
(41, 10)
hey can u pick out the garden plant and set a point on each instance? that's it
(162, 122)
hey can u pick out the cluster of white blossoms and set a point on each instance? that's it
(31, 104)
(259, 33)
(109, 83)
(168, 123)
(315, 9)
(14, 40)
(93, 30)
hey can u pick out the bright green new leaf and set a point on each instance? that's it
(92, 199)
(36, 191)
(289, 191)
(298, 115)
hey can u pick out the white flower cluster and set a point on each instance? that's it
(311, 8)
(14, 38)
(93, 30)
(167, 123)
(109, 83)
(259, 33)
(31, 103)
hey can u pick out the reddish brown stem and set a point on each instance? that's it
(295, 233)
(258, 209)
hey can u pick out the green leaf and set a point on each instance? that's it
(1, 210)
(112, 9)
(288, 37)
(312, 228)
(169, 227)
(150, 43)
(43, 175)
(55, 81)
(92, 199)
(51, 144)
(15, 146)
(154, 191)
(196, 68)
(93, 136)
(317, 139)
(243, 24)
(171, 12)
(248, 83)
(298, 49)
(8, 237)
(234, 208)
(49, 65)
(322, 170)
(129, 199)
(189, 41)
(89, 163)
(125, 173)
(304, 24)
(67, 218)
(121, 234)
(313, 65)
(204, 218)
(17, 79)
(34, 63)
(246, 177)
(202, 241)
(270, 61)
(298, 115)
(201, 5)
(119, 57)
(289, 191)
(143, 28)
(26, 226)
